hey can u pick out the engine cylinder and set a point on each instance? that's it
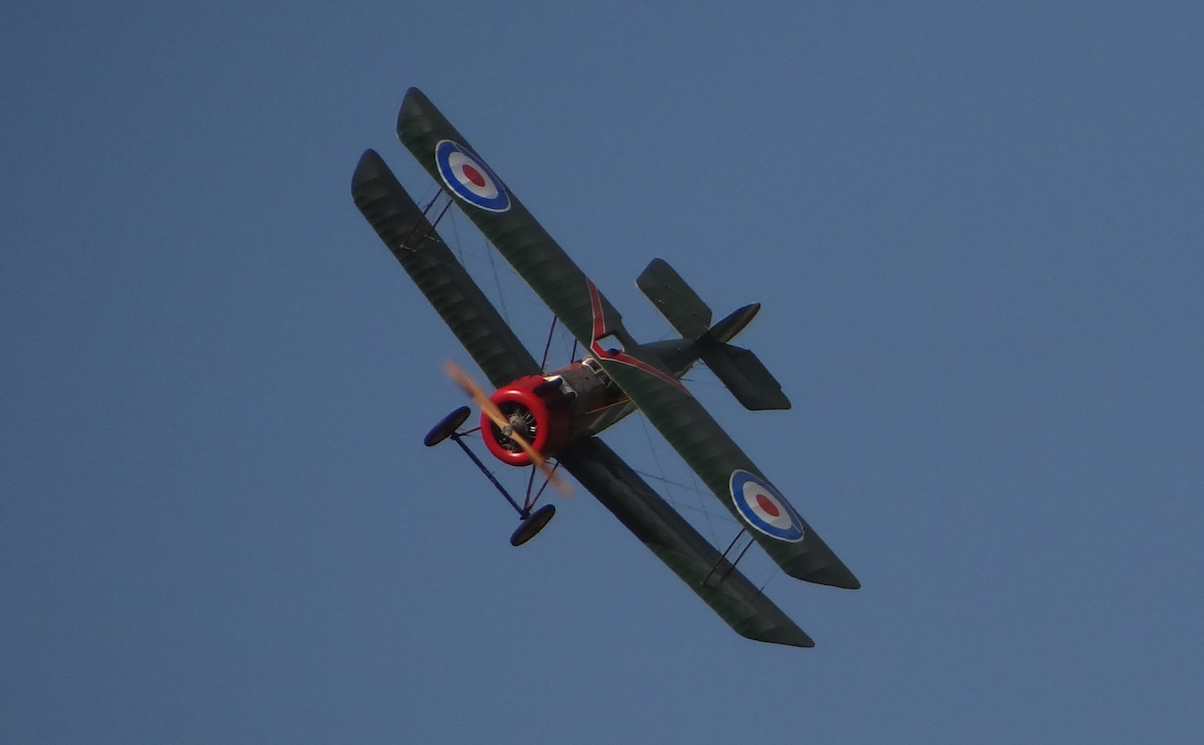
(537, 412)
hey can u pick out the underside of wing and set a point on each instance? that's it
(441, 278)
(675, 542)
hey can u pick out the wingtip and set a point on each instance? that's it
(369, 163)
(773, 630)
(837, 575)
(413, 104)
(369, 168)
(790, 636)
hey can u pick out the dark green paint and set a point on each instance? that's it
(740, 371)
(441, 278)
(675, 542)
(562, 286)
(492, 344)
(676, 300)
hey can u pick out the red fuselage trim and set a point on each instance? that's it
(621, 357)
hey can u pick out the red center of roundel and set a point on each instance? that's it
(767, 505)
(474, 176)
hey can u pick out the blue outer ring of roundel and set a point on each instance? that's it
(443, 151)
(792, 533)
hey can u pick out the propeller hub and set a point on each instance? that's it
(530, 410)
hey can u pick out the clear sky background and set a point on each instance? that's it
(976, 230)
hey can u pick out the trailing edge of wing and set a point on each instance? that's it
(675, 542)
(443, 280)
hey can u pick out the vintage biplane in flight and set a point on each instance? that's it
(550, 420)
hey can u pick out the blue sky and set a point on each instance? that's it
(975, 230)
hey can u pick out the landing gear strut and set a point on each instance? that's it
(532, 521)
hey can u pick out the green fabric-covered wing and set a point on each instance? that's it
(684, 423)
(675, 542)
(515, 233)
(441, 278)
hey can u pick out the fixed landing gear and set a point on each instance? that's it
(531, 525)
(447, 427)
(533, 520)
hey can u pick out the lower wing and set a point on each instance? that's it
(674, 541)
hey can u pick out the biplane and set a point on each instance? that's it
(550, 421)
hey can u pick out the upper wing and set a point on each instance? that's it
(683, 422)
(675, 542)
(502, 218)
(430, 263)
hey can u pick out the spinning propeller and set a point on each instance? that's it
(474, 391)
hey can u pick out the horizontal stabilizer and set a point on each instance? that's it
(675, 299)
(742, 373)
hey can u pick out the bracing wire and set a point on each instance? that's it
(543, 361)
(497, 281)
(668, 483)
(456, 238)
(772, 576)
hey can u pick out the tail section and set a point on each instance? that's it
(740, 371)
(675, 299)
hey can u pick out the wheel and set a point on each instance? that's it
(446, 426)
(532, 525)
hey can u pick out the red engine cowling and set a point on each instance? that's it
(537, 411)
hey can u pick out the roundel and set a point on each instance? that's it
(764, 508)
(469, 178)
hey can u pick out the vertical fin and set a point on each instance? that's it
(675, 299)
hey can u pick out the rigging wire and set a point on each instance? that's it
(456, 238)
(498, 282)
(427, 192)
(655, 458)
(659, 467)
(722, 516)
(442, 212)
(543, 362)
(773, 575)
(702, 500)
